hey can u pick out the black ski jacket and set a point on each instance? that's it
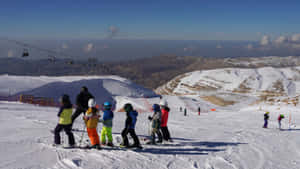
(83, 98)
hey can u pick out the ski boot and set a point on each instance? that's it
(110, 144)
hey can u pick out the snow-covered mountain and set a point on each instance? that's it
(104, 88)
(260, 81)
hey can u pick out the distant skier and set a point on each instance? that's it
(164, 120)
(199, 110)
(131, 118)
(180, 109)
(82, 102)
(156, 122)
(280, 117)
(185, 112)
(91, 119)
(107, 121)
(266, 118)
(65, 121)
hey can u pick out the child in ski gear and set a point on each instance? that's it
(280, 117)
(65, 121)
(156, 122)
(91, 119)
(266, 118)
(107, 121)
(82, 102)
(164, 120)
(131, 118)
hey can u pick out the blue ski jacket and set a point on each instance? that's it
(131, 119)
(108, 116)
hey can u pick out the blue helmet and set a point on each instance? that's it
(107, 105)
(156, 107)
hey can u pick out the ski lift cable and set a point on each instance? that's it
(51, 52)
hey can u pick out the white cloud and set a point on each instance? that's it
(113, 31)
(64, 46)
(295, 38)
(10, 53)
(89, 47)
(281, 40)
(219, 46)
(186, 49)
(265, 40)
(249, 46)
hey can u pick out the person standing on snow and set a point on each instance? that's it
(164, 120)
(107, 121)
(280, 117)
(65, 121)
(82, 102)
(266, 118)
(131, 118)
(91, 119)
(156, 122)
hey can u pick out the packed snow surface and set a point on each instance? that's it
(223, 139)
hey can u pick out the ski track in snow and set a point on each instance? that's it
(217, 140)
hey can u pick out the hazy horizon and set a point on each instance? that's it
(120, 50)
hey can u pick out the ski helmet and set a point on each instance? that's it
(65, 99)
(156, 107)
(84, 89)
(267, 112)
(107, 105)
(282, 116)
(128, 107)
(163, 103)
(92, 103)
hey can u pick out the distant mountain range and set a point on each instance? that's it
(149, 72)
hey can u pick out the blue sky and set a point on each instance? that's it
(149, 19)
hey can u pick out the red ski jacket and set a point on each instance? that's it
(164, 116)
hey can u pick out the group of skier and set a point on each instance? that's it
(86, 104)
(266, 119)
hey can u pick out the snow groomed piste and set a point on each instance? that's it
(230, 137)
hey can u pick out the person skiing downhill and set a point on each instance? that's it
(107, 121)
(65, 121)
(82, 102)
(91, 119)
(266, 118)
(131, 118)
(164, 120)
(280, 117)
(155, 124)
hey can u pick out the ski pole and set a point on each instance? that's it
(82, 134)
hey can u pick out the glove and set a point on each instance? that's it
(149, 118)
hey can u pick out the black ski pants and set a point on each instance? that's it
(165, 133)
(132, 134)
(67, 129)
(77, 113)
(158, 133)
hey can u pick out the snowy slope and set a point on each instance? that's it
(225, 139)
(266, 80)
(104, 88)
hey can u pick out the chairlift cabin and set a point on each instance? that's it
(25, 53)
(51, 58)
(70, 62)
